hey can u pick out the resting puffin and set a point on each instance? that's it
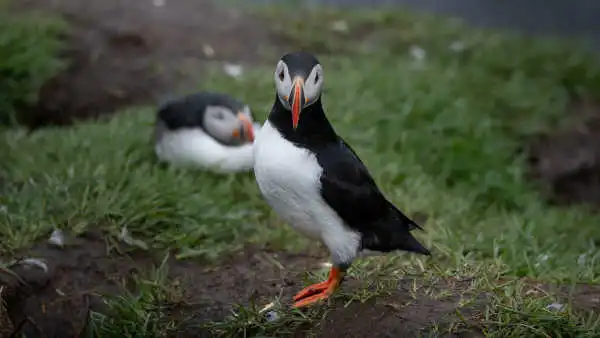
(316, 183)
(208, 130)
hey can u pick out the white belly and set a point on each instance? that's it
(194, 148)
(289, 179)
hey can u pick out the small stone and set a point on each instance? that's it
(555, 307)
(57, 238)
(457, 46)
(418, 53)
(339, 26)
(271, 316)
(233, 70)
(126, 237)
(34, 262)
(208, 50)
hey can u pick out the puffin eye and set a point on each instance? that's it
(281, 75)
(316, 77)
(219, 116)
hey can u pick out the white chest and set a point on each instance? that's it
(194, 148)
(289, 179)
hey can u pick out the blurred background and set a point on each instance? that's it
(481, 118)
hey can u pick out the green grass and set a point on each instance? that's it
(440, 137)
(29, 47)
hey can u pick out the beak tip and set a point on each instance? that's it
(297, 100)
(251, 134)
(247, 129)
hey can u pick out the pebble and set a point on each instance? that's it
(271, 316)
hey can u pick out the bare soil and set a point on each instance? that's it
(567, 161)
(412, 309)
(57, 302)
(130, 52)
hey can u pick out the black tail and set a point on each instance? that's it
(408, 242)
(393, 235)
(405, 222)
(402, 238)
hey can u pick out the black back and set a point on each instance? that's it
(188, 111)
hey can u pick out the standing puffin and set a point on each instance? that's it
(316, 183)
(208, 130)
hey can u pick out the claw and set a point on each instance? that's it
(319, 291)
(312, 290)
(311, 300)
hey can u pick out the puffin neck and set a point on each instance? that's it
(313, 128)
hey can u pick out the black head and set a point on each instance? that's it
(221, 116)
(298, 79)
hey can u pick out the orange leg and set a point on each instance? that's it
(319, 291)
(313, 289)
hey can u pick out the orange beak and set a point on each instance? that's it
(247, 129)
(296, 100)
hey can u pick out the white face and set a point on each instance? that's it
(228, 126)
(285, 84)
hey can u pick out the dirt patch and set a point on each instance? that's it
(583, 298)
(411, 310)
(567, 162)
(131, 52)
(58, 302)
(251, 276)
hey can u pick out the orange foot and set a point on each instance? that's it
(319, 291)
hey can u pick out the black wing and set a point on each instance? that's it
(350, 190)
(186, 112)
